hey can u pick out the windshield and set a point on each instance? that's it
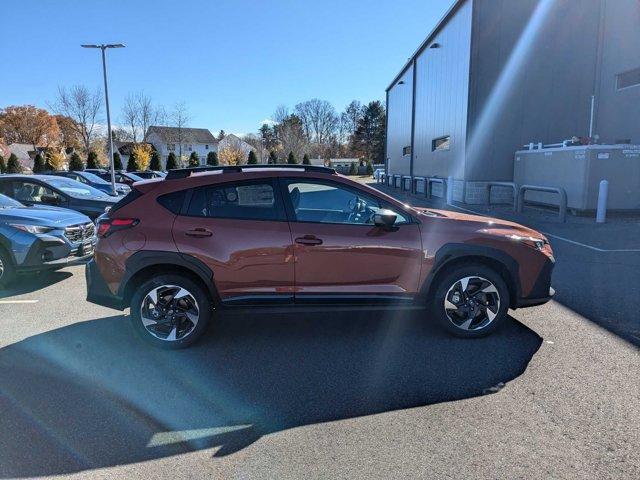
(93, 178)
(75, 189)
(134, 177)
(6, 202)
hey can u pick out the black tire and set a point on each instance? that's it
(451, 283)
(197, 292)
(7, 270)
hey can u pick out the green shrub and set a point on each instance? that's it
(92, 160)
(252, 159)
(38, 164)
(305, 160)
(13, 164)
(3, 165)
(75, 163)
(155, 163)
(353, 170)
(212, 159)
(273, 157)
(291, 159)
(172, 162)
(194, 161)
(117, 161)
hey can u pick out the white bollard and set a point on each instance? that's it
(603, 192)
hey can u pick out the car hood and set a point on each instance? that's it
(489, 225)
(42, 216)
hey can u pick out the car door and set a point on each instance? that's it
(340, 253)
(239, 229)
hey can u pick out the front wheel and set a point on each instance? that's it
(471, 301)
(7, 272)
(170, 311)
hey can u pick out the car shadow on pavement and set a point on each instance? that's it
(93, 395)
(29, 283)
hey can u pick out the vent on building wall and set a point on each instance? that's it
(406, 151)
(441, 143)
(630, 78)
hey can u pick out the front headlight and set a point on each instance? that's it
(31, 228)
(537, 243)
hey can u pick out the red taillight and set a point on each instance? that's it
(107, 226)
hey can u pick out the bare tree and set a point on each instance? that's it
(281, 114)
(180, 119)
(83, 107)
(131, 115)
(319, 120)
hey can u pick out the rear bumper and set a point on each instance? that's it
(97, 290)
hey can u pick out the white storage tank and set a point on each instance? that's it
(579, 170)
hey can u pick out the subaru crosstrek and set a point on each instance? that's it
(41, 238)
(176, 249)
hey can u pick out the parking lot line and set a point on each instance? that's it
(4, 302)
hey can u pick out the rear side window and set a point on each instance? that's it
(173, 201)
(257, 200)
(126, 200)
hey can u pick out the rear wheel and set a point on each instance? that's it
(170, 311)
(7, 271)
(471, 301)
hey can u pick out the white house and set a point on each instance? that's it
(182, 141)
(233, 141)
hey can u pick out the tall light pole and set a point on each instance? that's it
(103, 47)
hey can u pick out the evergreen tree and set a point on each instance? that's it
(172, 162)
(92, 160)
(369, 168)
(305, 160)
(3, 166)
(75, 163)
(13, 164)
(212, 159)
(291, 159)
(132, 163)
(38, 164)
(155, 163)
(273, 157)
(117, 161)
(353, 170)
(252, 159)
(194, 160)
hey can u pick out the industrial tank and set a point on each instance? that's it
(579, 170)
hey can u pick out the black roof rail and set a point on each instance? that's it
(186, 172)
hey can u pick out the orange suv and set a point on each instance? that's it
(176, 249)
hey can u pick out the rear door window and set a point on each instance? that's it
(252, 200)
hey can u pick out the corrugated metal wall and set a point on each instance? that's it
(548, 72)
(442, 82)
(399, 124)
(619, 109)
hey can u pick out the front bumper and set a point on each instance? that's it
(97, 290)
(542, 291)
(52, 254)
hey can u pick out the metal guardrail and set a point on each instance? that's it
(403, 183)
(511, 185)
(562, 194)
(414, 183)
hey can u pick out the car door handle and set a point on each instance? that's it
(198, 232)
(309, 240)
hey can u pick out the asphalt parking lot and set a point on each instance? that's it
(554, 394)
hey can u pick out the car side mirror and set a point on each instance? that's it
(385, 219)
(50, 199)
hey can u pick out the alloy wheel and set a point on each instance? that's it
(169, 312)
(1, 268)
(472, 303)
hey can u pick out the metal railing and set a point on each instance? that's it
(414, 184)
(562, 194)
(511, 185)
(403, 183)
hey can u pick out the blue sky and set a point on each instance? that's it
(231, 62)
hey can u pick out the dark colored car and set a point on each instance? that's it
(149, 174)
(126, 178)
(176, 249)
(56, 191)
(94, 181)
(41, 238)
